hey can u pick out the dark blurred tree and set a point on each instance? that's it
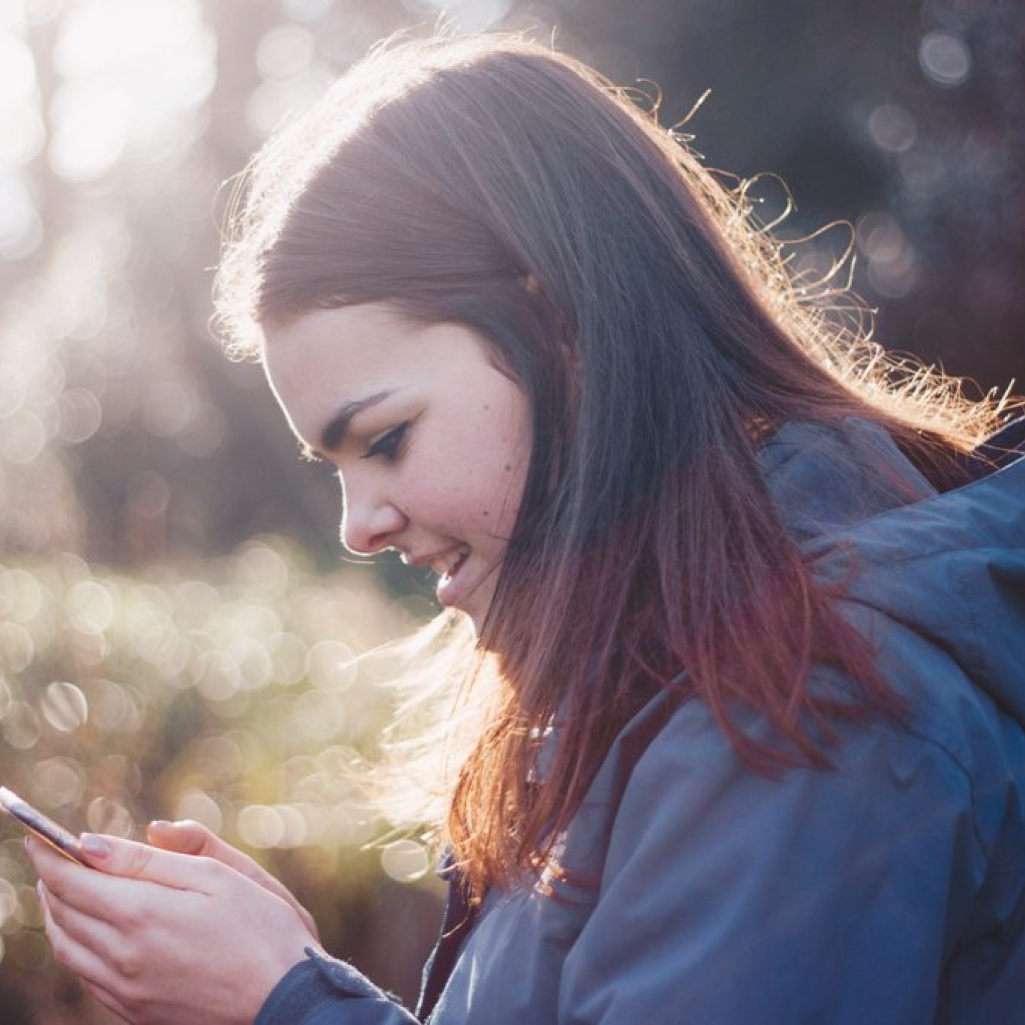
(907, 118)
(957, 185)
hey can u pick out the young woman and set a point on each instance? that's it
(749, 616)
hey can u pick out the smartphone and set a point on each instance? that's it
(34, 821)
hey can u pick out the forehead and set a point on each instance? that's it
(349, 343)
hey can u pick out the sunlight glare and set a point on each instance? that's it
(464, 15)
(130, 70)
(21, 228)
(17, 70)
(285, 51)
(91, 128)
(39, 12)
(106, 815)
(306, 10)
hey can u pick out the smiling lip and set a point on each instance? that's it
(449, 585)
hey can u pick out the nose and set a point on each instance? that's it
(370, 522)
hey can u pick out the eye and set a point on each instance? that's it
(389, 444)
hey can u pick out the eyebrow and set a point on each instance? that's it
(333, 434)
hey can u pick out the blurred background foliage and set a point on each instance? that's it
(164, 652)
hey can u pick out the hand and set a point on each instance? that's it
(189, 837)
(163, 938)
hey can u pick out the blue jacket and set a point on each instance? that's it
(890, 889)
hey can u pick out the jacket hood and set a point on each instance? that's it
(949, 566)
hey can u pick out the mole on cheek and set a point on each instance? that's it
(508, 467)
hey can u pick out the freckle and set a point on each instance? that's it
(485, 512)
(508, 467)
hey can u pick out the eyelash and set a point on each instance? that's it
(389, 444)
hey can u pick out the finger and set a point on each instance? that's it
(83, 929)
(109, 1000)
(74, 884)
(52, 868)
(89, 966)
(185, 836)
(128, 859)
(189, 837)
(104, 895)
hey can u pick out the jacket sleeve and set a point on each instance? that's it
(323, 991)
(823, 896)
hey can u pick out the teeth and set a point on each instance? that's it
(444, 565)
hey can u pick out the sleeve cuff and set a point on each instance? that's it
(317, 980)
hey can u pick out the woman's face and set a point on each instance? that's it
(430, 439)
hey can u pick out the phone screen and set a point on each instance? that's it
(35, 822)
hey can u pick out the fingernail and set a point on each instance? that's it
(160, 823)
(95, 846)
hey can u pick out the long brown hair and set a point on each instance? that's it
(659, 338)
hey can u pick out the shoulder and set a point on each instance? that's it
(953, 762)
(720, 873)
(937, 588)
(879, 763)
(823, 477)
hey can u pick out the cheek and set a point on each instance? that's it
(511, 458)
(473, 498)
(499, 493)
(477, 464)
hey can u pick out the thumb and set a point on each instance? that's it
(189, 837)
(185, 837)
